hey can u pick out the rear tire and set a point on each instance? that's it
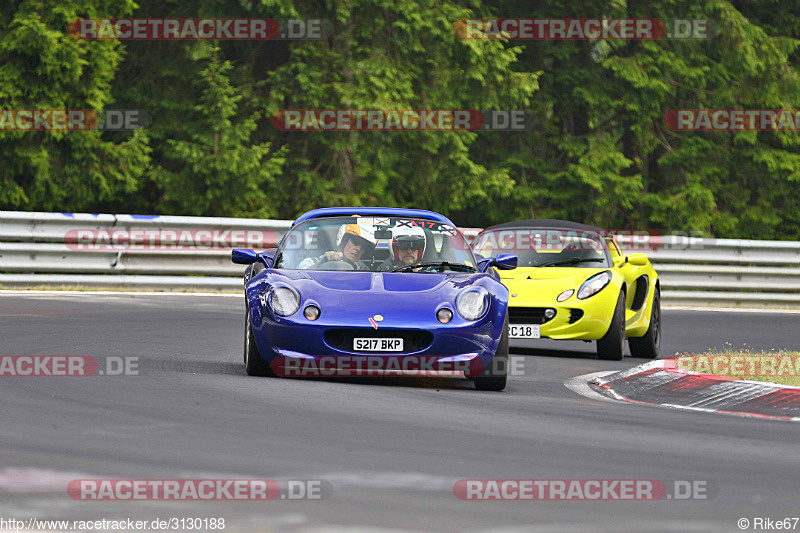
(648, 345)
(253, 363)
(612, 345)
(495, 376)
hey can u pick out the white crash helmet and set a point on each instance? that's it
(412, 237)
(361, 231)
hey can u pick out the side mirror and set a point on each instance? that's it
(505, 262)
(637, 259)
(246, 256)
(501, 262)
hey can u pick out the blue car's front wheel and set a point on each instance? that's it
(253, 363)
(495, 376)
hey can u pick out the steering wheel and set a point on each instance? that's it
(345, 263)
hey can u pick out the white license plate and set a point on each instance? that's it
(378, 345)
(524, 331)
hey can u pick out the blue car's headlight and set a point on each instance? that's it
(593, 285)
(472, 303)
(283, 300)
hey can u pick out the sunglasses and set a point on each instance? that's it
(409, 245)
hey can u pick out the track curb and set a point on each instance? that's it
(661, 383)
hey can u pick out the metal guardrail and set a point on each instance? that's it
(190, 252)
(44, 249)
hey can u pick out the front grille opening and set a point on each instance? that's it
(575, 315)
(528, 315)
(413, 340)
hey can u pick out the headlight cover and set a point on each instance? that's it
(565, 295)
(472, 303)
(283, 300)
(593, 285)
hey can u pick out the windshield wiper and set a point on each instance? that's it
(573, 261)
(453, 266)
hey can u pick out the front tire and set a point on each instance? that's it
(612, 345)
(253, 363)
(648, 345)
(495, 376)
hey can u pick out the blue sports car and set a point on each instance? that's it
(350, 290)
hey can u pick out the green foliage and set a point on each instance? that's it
(600, 151)
(42, 67)
(217, 170)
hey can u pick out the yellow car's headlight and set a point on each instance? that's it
(593, 285)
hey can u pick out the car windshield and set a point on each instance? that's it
(546, 247)
(377, 244)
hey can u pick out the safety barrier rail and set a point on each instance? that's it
(193, 253)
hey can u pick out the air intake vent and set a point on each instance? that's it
(527, 315)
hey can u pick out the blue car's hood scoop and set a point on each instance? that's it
(395, 282)
(345, 281)
(365, 281)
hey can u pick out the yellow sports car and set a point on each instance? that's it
(573, 282)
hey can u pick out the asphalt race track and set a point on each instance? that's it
(392, 448)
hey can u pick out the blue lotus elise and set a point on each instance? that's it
(375, 288)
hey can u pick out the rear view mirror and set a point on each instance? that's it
(383, 233)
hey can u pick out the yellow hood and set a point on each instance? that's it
(544, 283)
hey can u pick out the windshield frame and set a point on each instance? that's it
(594, 235)
(449, 244)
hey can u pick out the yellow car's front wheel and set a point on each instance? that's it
(647, 345)
(612, 345)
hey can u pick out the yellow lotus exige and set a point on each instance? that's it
(572, 282)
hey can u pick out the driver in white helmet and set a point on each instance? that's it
(408, 246)
(352, 242)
